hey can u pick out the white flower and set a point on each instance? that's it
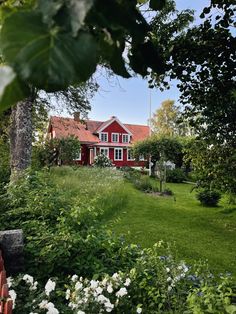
(109, 306)
(93, 284)
(109, 289)
(101, 298)
(169, 279)
(127, 282)
(43, 304)
(78, 285)
(67, 294)
(167, 269)
(121, 292)
(28, 279)
(34, 286)
(115, 276)
(74, 278)
(51, 309)
(80, 312)
(49, 287)
(99, 290)
(10, 281)
(139, 310)
(13, 296)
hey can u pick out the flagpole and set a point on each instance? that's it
(150, 131)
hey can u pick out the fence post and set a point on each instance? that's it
(6, 304)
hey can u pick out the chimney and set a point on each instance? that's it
(113, 117)
(77, 116)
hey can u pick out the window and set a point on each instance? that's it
(78, 157)
(115, 137)
(125, 138)
(104, 137)
(141, 158)
(129, 155)
(104, 151)
(118, 154)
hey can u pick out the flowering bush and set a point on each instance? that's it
(102, 161)
(157, 284)
(107, 295)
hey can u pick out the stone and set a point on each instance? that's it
(11, 244)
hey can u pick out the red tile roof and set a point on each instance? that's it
(64, 127)
(140, 132)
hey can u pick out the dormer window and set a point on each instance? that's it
(104, 137)
(115, 137)
(125, 138)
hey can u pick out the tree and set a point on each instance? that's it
(165, 120)
(29, 115)
(214, 165)
(53, 45)
(204, 61)
(161, 150)
(57, 151)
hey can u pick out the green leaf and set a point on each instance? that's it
(78, 12)
(44, 57)
(11, 89)
(157, 4)
(49, 9)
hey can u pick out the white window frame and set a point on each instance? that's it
(129, 159)
(117, 134)
(128, 137)
(101, 134)
(116, 149)
(79, 157)
(104, 148)
(141, 158)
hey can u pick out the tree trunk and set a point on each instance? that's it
(21, 138)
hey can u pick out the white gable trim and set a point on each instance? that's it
(110, 122)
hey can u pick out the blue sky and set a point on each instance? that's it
(128, 99)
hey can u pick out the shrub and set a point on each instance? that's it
(208, 197)
(143, 184)
(175, 176)
(102, 161)
(153, 282)
(167, 191)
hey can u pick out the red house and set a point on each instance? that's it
(111, 138)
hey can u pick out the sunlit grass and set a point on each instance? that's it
(198, 232)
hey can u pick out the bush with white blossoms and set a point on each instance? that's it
(102, 161)
(153, 286)
(27, 298)
(111, 294)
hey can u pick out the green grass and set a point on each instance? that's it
(199, 233)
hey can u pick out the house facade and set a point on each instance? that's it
(111, 138)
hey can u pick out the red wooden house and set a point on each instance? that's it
(111, 138)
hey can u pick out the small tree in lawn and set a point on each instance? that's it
(161, 150)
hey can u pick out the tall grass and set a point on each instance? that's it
(99, 190)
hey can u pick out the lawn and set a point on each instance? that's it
(198, 232)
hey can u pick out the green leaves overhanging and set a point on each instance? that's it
(42, 56)
(11, 88)
(157, 4)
